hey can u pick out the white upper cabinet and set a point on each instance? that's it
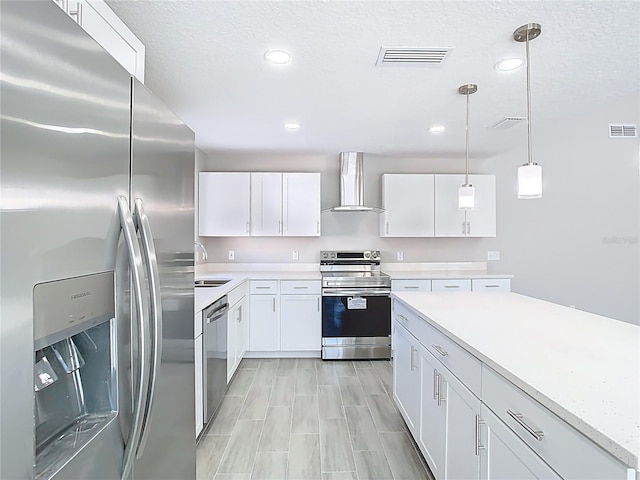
(408, 200)
(452, 222)
(301, 204)
(266, 204)
(223, 204)
(99, 21)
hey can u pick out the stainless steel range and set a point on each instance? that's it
(356, 306)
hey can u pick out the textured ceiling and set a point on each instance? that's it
(205, 59)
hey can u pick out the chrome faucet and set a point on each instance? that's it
(205, 255)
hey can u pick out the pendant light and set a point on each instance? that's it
(529, 174)
(467, 193)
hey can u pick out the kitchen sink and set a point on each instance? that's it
(211, 283)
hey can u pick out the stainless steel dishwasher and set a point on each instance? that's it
(215, 356)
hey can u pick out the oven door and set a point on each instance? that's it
(356, 325)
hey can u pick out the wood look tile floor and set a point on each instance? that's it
(308, 419)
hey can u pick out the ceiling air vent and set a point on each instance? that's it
(619, 130)
(412, 56)
(508, 122)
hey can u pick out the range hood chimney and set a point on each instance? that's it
(352, 184)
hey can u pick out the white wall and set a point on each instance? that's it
(576, 246)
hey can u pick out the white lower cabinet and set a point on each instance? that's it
(505, 457)
(237, 328)
(264, 333)
(199, 373)
(406, 376)
(300, 322)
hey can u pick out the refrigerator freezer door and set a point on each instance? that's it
(65, 159)
(163, 163)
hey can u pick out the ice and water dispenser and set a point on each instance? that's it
(75, 379)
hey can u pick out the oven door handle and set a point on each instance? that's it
(341, 292)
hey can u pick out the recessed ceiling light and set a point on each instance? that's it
(292, 126)
(278, 57)
(437, 129)
(509, 64)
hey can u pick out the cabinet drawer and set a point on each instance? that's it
(417, 285)
(460, 362)
(450, 285)
(264, 287)
(565, 449)
(302, 287)
(491, 285)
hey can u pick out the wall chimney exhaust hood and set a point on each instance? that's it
(352, 185)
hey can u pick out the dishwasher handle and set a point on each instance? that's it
(219, 312)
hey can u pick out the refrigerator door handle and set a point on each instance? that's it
(135, 262)
(153, 275)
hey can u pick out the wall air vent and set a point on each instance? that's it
(508, 122)
(412, 56)
(619, 130)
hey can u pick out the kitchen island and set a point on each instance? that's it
(584, 368)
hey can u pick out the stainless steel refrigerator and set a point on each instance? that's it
(96, 239)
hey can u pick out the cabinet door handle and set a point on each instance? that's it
(300, 288)
(318, 226)
(440, 350)
(440, 399)
(274, 304)
(402, 317)
(262, 288)
(435, 384)
(387, 228)
(519, 418)
(478, 445)
(452, 286)
(280, 226)
(318, 303)
(464, 227)
(247, 226)
(411, 360)
(410, 287)
(468, 228)
(77, 13)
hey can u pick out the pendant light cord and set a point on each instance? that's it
(466, 178)
(530, 156)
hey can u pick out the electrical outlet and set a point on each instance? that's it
(493, 255)
(232, 255)
(400, 255)
(294, 254)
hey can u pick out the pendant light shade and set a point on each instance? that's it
(467, 193)
(530, 181)
(530, 174)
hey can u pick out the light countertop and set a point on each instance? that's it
(441, 274)
(583, 367)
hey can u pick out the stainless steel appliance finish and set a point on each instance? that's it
(356, 306)
(215, 356)
(352, 184)
(81, 171)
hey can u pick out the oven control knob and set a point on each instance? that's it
(375, 255)
(367, 255)
(325, 254)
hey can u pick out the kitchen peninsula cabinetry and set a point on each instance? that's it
(452, 222)
(223, 204)
(408, 201)
(98, 20)
(475, 423)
